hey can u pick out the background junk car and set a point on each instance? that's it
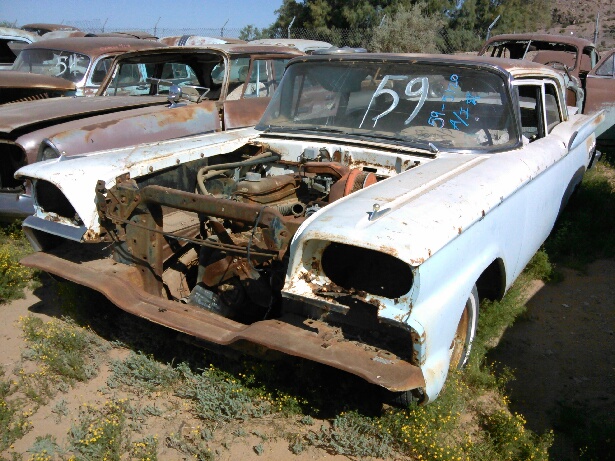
(590, 83)
(357, 225)
(213, 88)
(83, 62)
(11, 43)
(42, 28)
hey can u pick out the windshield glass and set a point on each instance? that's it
(417, 103)
(68, 65)
(548, 53)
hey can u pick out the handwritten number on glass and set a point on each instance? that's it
(409, 92)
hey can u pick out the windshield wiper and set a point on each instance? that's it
(317, 128)
(401, 139)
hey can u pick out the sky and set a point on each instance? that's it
(133, 14)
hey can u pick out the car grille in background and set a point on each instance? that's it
(366, 270)
(13, 158)
(52, 200)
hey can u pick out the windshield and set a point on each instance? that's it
(68, 65)
(444, 105)
(542, 52)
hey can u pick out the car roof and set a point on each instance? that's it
(515, 67)
(565, 39)
(94, 46)
(48, 26)
(18, 33)
(300, 44)
(228, 49)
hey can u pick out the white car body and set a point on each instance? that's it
(440, 220)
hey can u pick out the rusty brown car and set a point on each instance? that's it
(42, 28)
(149, 96)
(590, 84)
(82, 62)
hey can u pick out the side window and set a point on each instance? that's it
(259, 82)
(606, 69)
(100, 70)
(531, 114)
(551, 107)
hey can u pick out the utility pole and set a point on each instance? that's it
(491, 27)
(222, 29)
(156, 27)
(596, 29)
(290, 25)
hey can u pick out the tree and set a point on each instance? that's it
(411, 30)
(251, 32)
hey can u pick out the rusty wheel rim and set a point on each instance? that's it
(459, 344)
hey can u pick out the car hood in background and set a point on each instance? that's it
(15, 79)
(16, 116)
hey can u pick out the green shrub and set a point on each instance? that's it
(13, 276)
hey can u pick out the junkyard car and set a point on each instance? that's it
(573, 55)
(589, 89)
(307, 46)
(79, 63)
(11, 43)
(357, 225)
(219, 89)
(42, 28)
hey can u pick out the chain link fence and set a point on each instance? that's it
(354, 38)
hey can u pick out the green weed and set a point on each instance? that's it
(584, 231)
(100, 432)
(145, 449)
(142, 374)
(352, 434)
(13, 423)
(13, 276)
(44, 448)
(219, 396)
(192, 441)
(67, 353)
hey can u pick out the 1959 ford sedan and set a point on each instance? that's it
(357, 225)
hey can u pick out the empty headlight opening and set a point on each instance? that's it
(361, 269)
(52, 200)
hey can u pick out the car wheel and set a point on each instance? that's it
(460, 350)
(466, 331)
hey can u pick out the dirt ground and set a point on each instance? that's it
(561, 351)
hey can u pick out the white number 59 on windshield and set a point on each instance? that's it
(409, 91)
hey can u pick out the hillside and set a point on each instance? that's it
(578, 17)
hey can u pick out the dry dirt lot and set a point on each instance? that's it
(561, 350)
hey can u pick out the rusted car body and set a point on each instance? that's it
(198, 40)
(218, 95)
(600, 95)
(577, 59)
(307, 46)
(573, 55)
(82, 61)
(41, 28)
(356, 225)
(11, 43)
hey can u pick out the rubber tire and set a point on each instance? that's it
(460, 350)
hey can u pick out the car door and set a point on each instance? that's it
(600, 94)
(600, 84)
(545, 155)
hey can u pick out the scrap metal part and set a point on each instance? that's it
(289, 334)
